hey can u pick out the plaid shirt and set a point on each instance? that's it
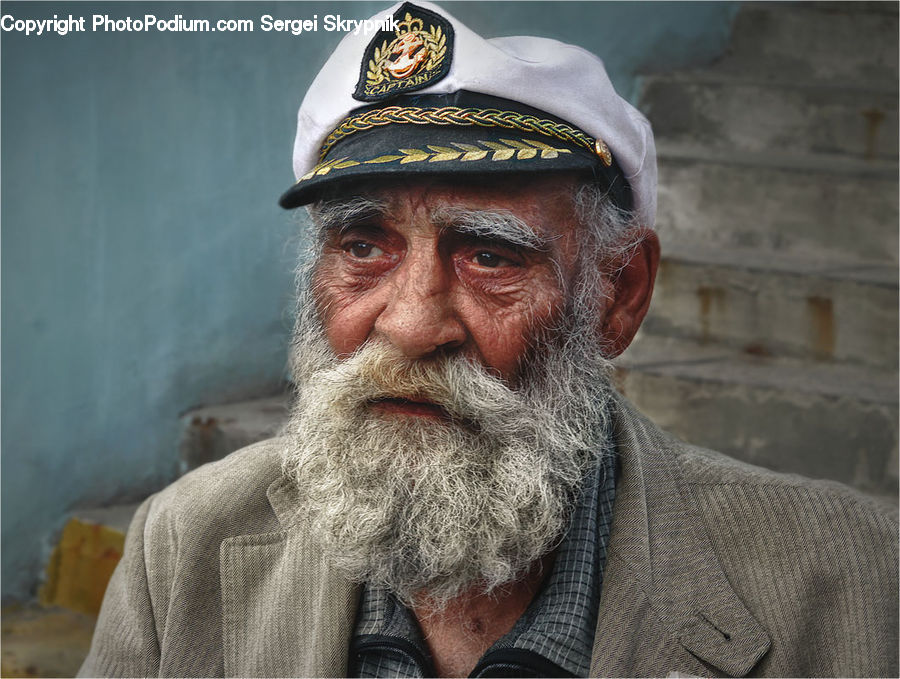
(554, 636)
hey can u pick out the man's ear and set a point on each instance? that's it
(633, 276)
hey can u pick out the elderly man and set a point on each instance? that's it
(459, 490)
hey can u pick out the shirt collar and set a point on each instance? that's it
(558, 627)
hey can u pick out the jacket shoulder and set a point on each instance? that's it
(710, 473)
(222, 498)
(166, 588)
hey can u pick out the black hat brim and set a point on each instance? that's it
(403, 151)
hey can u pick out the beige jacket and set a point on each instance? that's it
(715, 568)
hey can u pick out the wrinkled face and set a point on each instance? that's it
(452, 392)
(424, 273)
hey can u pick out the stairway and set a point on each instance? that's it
(51, 637)
(772, 335)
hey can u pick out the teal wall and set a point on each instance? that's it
(146, 268)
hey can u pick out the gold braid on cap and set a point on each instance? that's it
(453, 115)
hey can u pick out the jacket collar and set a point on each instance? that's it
(662, 573)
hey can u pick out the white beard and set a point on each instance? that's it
(430, 508)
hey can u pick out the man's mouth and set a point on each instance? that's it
(410, 406)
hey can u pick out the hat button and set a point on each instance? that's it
(602, 150)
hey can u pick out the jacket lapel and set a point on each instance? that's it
(283, 612)
(666, 604)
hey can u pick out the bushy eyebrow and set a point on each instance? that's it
(333, 215)
(498, 225)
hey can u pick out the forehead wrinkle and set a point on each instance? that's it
(491, 224)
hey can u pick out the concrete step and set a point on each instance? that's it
(821, 420)
(84, 558)
(837, 42)
(44, 642)
(212, 432)
(92, 540)
(728, 114)
(758, 303)
(867, 6)
(787, 204)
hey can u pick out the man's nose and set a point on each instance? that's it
(420, 316)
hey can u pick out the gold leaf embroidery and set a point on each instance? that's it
(383, 159)
(325, 168)
(472, 152)
(547, 151)
(375, 73)
(413, 155)
(443, 153)
(515, 144)
(438, 44)
(537, 144)
(509, 148)
(525, 151)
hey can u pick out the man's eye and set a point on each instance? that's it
(362, 250)
(490, 260)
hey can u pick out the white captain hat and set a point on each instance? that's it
(427, 96)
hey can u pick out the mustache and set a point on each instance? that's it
(378, 372)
